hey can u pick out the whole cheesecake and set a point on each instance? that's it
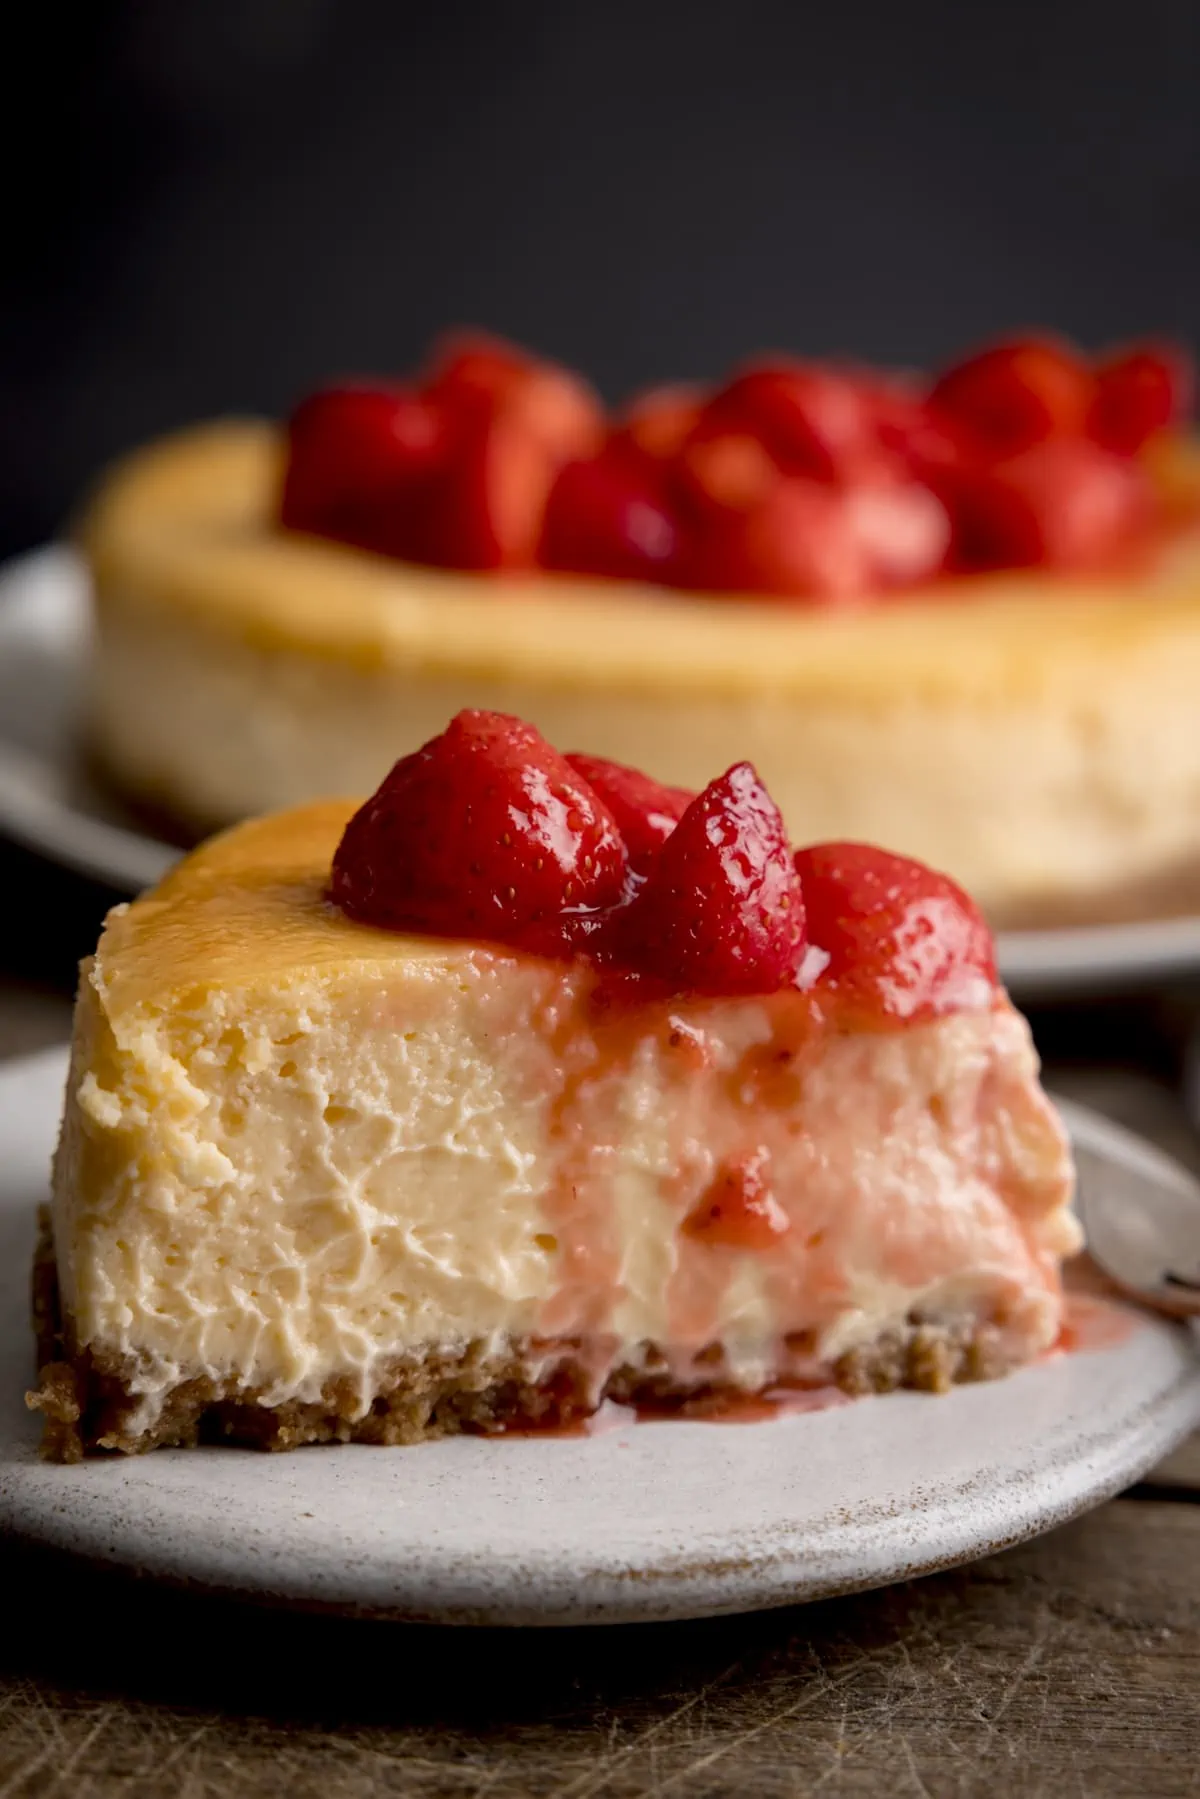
(527, 1085)
(983, 651)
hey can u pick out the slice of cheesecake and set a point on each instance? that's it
(322, 1178)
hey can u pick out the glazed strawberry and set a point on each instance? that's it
(903, 942)
(1015, 395)
(484, 832)
(721, 911)
(800, 542)
(514, 423)
(646, 812)
(1139, 392)
(739, 1210)
(1066, 505)
(362, 464)
(489, 508)
(814, 421)
(609, 516)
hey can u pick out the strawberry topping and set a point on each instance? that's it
(487, 833)
(902, 941)
(800, 543)
(1015, 395)
(1065, 504)
(610, 516)
(363, 464)
(721, 910)
(1138, 393)
(812, 421)
(795, 481)
(645, 811)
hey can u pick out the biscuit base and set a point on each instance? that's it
(89, 1408)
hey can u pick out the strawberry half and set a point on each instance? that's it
(484, 832)
(608, 516)
(801, 542)
(363, 465)
(1139, 392)
(1014, 395)
(813, 421)
(515, 423)
(902, 940)
(721, 910)
(646, 812)
(1066, 504)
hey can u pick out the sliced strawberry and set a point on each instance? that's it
(646, 812)
(608, 516)
(484, 832)
(1066, 504)
(1014, 395)
(1138, 392)
(721, 910)
(800, 543)
(739, 1210)
(902, 941)
(813, 421)
(362, 464)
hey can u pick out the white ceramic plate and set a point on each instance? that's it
(647, 1521)
(48, 802)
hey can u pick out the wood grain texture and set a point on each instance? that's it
(1066, 1667)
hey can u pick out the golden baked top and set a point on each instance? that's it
(249, 907)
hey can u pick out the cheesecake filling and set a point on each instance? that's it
(284, 1186)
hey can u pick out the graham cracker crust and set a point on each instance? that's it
(89, 1409)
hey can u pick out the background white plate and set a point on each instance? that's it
(647, 1521)
(49, 803)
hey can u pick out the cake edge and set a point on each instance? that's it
(89, 1410)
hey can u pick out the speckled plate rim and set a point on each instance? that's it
(644, 1522)
(49, 805)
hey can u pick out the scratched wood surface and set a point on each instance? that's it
(1068, 1668)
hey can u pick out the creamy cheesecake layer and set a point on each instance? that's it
(295, 1149)
(1033, 735)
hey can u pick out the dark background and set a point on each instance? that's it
(212, 203)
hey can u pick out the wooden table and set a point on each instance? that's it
(1066, 1669)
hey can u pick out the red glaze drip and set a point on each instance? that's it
(716, 1405)
(738, 1210)
(800, 481)
(1092, 1322)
